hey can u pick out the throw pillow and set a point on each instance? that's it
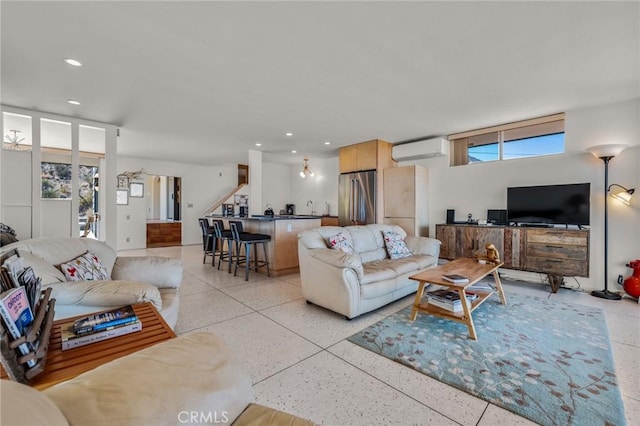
(86, 267)
(396, 247)
(340, 242)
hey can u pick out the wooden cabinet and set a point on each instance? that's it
(370, 155)
(468, 240)
(405, 199)
(164, 234)
(558, 251)
(551, 251)
(329, 221)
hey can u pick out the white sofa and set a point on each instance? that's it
(193, 379)
(134, 279)
(354, 284)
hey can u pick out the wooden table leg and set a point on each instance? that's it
(496, 278)
(416, 303)
(468, 319)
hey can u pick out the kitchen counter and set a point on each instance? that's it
(269, 217)
(283, 229)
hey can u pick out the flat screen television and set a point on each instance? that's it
(549, 204)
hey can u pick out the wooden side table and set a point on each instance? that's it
(471, 269)
(65, 365)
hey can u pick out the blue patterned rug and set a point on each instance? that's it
(547, 361)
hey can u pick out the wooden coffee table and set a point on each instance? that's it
(471, 269)
(65, 365)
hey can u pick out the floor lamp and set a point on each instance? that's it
(606, 153)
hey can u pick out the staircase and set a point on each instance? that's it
(224, 198)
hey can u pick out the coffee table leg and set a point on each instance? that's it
(416, 303)
(496, 278)
(468, 319)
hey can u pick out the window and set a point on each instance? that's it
(56, 183)
(530, 138)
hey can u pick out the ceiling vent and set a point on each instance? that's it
(427, 148)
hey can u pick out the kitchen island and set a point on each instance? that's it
(283, 229)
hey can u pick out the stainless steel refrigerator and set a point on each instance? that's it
(357, 198)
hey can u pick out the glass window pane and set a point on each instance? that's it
(56, 180)
(534, 146)
(484, 147)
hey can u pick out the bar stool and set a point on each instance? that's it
(222, 235)
(207, 239)
(246, 240)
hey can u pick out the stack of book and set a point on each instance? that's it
(98, 327)
(449, 300)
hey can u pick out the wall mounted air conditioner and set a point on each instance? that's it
(436, 147)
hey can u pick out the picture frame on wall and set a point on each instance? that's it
(122, 197)
(136, 190)
(123, 182)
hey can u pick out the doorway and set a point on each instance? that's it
(164, 211)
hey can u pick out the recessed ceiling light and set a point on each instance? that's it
(327, 143)
(258, 144)
(288, 134)
(73, 62)
(293, 152)
(72, 102)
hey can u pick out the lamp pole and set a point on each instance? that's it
(606, 294)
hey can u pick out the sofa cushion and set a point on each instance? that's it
(105, 293)
(395, 245)
(23, 405)
(46, 271)
(367, 243)
(405, 265)
(161, 384)
(341, 242)
(378, 270)
(86, 267)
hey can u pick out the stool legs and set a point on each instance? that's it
(247, 258)
(266, 259)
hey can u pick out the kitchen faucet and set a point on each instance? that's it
(312, 211)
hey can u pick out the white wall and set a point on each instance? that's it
(276, 186)
(201, 187)
(323, 187)
(477, 187)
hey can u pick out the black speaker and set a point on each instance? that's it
(451, 216)
(497, 217)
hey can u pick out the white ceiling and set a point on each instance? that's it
(202, 82)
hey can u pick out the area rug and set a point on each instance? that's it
(547, 361)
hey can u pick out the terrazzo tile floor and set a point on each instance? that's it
(300, 361)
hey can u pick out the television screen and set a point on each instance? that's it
(549, 204)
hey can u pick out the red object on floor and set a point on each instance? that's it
(632, 283)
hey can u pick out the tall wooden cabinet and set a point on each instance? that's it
(370, 155)
(405, 199)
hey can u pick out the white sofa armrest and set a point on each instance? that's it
(339, 259)
(161, 272)
(105, 293)
(423, 245)
(160, 385)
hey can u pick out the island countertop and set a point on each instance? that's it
(283, 248)
(269, 217)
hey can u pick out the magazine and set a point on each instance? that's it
(17, 316)
(455, 278)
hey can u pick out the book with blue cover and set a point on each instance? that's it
(104, 320)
